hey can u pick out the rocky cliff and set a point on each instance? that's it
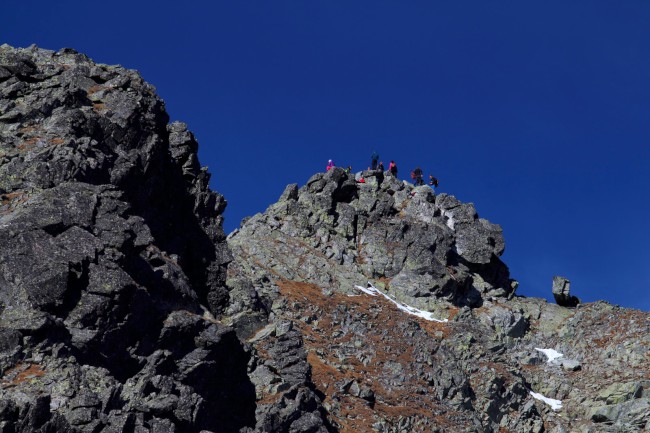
(112, 259)
(410, 321)
(345, 307)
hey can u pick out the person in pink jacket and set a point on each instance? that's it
(330, 164)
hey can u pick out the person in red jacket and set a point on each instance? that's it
(392, 168)
(330, 164)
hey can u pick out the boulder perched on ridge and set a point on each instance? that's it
(562, 292)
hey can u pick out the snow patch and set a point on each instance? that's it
(551, 354)
(372, 291)
(450, 219)
(426, 315)
(555, 404)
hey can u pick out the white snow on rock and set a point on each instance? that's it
(426, 315)
(555, 404)
(372, 291)
(551, 354)
(450, 219)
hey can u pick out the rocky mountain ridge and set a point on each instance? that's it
(481, 364)
(122, 310)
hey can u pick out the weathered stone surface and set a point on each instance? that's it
(337, 233)
(562, 292)
(377, 368)
(506, 322)
(122, 309)
(110, 245)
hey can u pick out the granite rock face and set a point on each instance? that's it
(337, 233)
(112, 260)
(380, 366)
(345, 307)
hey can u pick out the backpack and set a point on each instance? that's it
(413, 175)
(435, 182)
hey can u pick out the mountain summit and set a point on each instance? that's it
(345, 307)
(410, 322)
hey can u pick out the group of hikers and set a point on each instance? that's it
(417, 174)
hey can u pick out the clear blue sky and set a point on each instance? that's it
(538, 112)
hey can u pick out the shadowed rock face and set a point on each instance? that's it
(110, 246)
(124, 309)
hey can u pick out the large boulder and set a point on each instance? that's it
(562, 292)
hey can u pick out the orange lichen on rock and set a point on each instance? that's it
(381, 345)
(21, 373)
(94, 89)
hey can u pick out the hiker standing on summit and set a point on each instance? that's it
(373, 160)
(330, 165)
(392, 168)
(416, 175)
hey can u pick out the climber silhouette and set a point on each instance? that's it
(373, 160)
(416, 175)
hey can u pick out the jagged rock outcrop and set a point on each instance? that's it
(336, 233)
(112, 260)
(378, 368)
(123, 308)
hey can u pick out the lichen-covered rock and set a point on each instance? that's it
(338, 233)
(379, 365)
(346, 306)
(111, 253)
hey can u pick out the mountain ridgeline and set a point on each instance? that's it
(344, 307)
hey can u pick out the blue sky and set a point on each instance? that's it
(538, 112)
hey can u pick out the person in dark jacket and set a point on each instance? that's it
(416, 175)
(381, 166)
(373, 160)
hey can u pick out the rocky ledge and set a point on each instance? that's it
(346, 306)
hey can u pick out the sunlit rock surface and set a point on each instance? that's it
(345, 307)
